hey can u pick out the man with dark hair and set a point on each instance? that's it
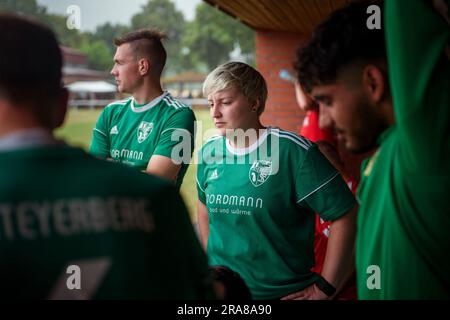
(402, 240)
(73, 226)
(150, 130)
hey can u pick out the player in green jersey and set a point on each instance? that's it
(73, 226)
(403, 246)
(259, 188)
(150, 130)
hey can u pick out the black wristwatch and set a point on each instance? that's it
(325, 286)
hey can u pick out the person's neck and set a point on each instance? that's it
(16, 121)
(388, 113)
(7, 130)
(147, 93)
(249, 138)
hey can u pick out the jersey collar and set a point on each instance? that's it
(249, 149)
(149, 105)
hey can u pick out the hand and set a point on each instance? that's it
(309, 293)
(304, 101)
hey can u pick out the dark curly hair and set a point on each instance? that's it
(235, 286)
(339, 41)
(30, 60)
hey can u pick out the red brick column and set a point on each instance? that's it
(276, 51)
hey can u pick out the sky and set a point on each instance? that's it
(97, 12)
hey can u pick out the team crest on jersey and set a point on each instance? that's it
(260, 172)
(144, 130)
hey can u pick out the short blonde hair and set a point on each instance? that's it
(241, 76)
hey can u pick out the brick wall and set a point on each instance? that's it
(276, 51)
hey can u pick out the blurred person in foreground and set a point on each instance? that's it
(402, 239)
(73, 226)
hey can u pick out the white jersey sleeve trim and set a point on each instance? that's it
(322, 185)
(101, 132)
(198, 183)
(298, 137)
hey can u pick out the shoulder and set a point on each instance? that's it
(213, 147)
(213, 142)
(176, 106)
(116, 105)
(291, 140)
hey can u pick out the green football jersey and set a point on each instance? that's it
(131, 133)
(261, 206)
(127, 233)
(403, 243)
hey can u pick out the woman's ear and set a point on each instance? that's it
(255, 105)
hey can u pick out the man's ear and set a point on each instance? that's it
(374, 82)
(144, 66)
(60, 109)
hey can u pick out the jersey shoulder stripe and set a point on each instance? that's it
(181, 104)
(291, 138)
(299, 137)
(175, 103)
(170, 103)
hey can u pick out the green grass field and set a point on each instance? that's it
(77, 131)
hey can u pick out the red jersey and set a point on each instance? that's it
(313, 132)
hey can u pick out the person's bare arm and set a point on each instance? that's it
(304, 101)
(203, 224)
(340, 248)
(163, 167)
(338, 260)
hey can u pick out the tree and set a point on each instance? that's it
(70, 38)
(163, 15)
(108, 32)
(98, 53)
(213, 35)
(25, 7)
